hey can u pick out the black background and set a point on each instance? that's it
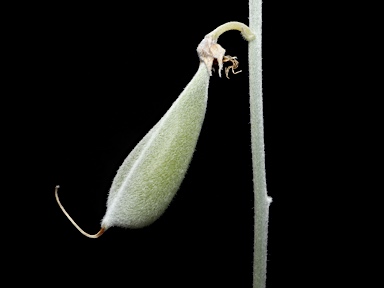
(97, 79)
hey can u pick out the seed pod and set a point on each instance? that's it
(152, 173)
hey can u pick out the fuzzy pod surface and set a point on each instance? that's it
(150, 176)
(152, 173)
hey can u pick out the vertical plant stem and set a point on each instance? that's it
(262, 200)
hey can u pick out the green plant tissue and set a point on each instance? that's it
(152, 173)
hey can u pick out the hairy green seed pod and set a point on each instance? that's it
(152, 173)
(150, 176)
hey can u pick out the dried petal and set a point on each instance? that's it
(208, 50)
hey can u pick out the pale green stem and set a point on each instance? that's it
(262, 200)
(244, 29)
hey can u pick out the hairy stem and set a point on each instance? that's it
(262, 200)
